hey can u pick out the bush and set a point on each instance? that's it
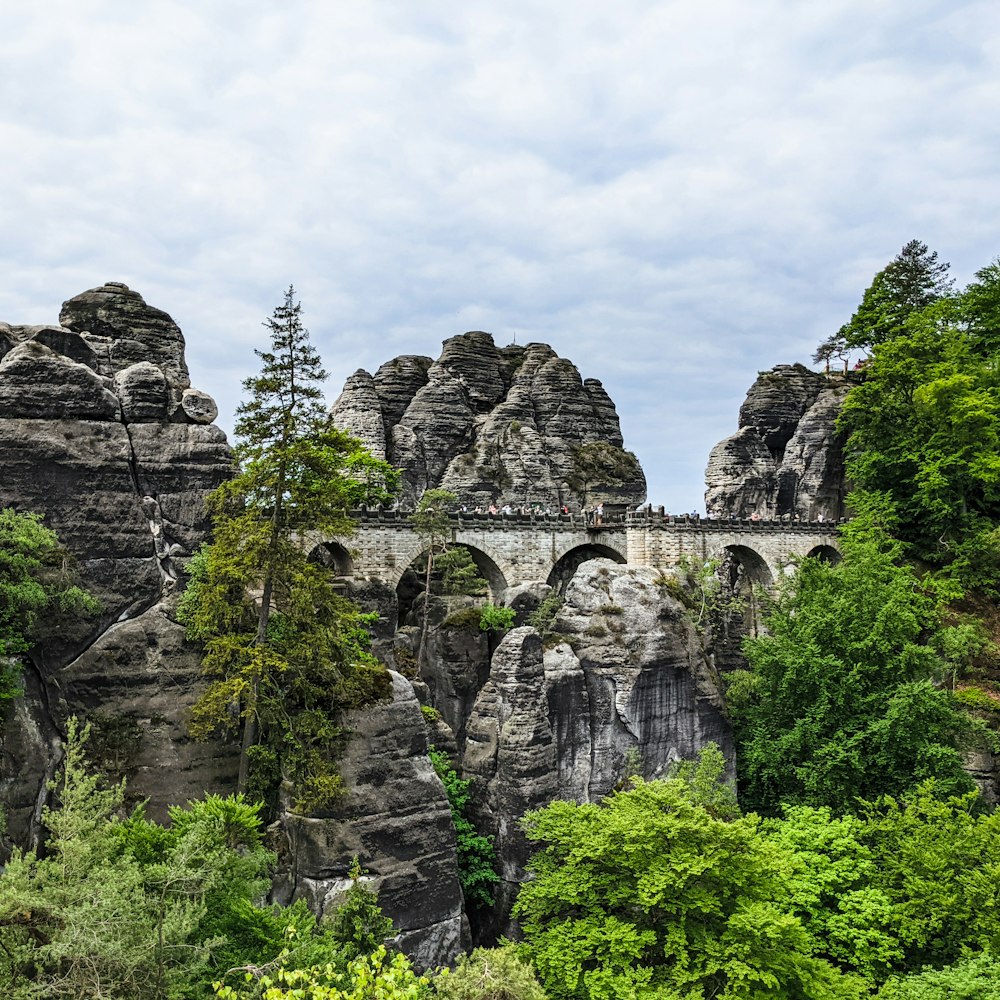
(490, 974)
(494, 619)
(476, 855)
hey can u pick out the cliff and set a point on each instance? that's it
(496, 425)
(786, 457)
(102, 433)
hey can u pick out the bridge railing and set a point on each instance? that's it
(645, 517)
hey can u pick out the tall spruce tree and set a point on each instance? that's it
(913, 280)
(278, 641)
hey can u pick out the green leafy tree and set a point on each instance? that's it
(477, 856)
(124, 909)
(379, 976)
(358, 923)
(924, 431)
(976, 977)
(278, 643)
(844, 702)
(913, 280)
(650, 894)
(433, 526)
(489, 974)
(37, 587)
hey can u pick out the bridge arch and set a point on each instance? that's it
(743, 565)
(571, 560)
(487, 563)
(334, 557)
(825, 553)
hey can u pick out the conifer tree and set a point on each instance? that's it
(278, 641)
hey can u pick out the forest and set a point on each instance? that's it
(855, 857)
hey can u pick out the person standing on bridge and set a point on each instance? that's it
(599, 514)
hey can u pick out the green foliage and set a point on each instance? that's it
(278, 642)
(924, 433)
(477, 872)
(126, 908)
(976, 977)
(458, 573)
(489, 974)
(844, 703)
(368, 977)
(651, 894)
(358, 922)
(913, 280)
(495, 619)
(36, 589)
(543, 618)
(430, 713)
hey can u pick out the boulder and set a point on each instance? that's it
(142, 389)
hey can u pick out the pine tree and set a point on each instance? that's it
(913, 280)
(279, 642)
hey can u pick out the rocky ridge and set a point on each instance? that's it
(514, 425)
(787, 456)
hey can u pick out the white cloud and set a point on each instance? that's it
(674, 195)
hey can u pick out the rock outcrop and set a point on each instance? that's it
(93, 435)
(102, 433)
(496, 425)
(395, 819)
(623, 685)
(786, 457)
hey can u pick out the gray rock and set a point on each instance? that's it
(136, 685)
(198, 406)
(118, 324)
(142, 389)
(38, 384)
(64, 342)
(811, 476)
(777, 401)
(396, 820)
(633, 685)
(493, 425)
(397, 382)
(358, 411)
(787, 456)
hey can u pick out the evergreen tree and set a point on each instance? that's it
(913, 280)
(279, 643)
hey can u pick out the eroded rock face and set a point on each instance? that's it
(102, 433)
(630, 687)
(396, 820)
(787, 456)
(84, 440)
(494, 425)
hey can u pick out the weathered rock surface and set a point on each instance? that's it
(787, 456)
(101, 432)
(84, 440)
(631, 685)
(124, 331)
(494, 425)
(396, 820)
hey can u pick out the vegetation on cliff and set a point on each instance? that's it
(278, 642)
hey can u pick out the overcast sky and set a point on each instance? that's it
(672, 194)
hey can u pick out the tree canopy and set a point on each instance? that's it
(278, 642)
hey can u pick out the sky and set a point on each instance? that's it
(675, 195)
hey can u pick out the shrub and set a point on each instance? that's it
(490, 974)
(495, 619)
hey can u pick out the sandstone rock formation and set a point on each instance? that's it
(623, 682)
(495, 425)
(786, 457)
(102, 433)
(93, 436)
(395, 819)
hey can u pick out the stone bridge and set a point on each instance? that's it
(513, 548)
